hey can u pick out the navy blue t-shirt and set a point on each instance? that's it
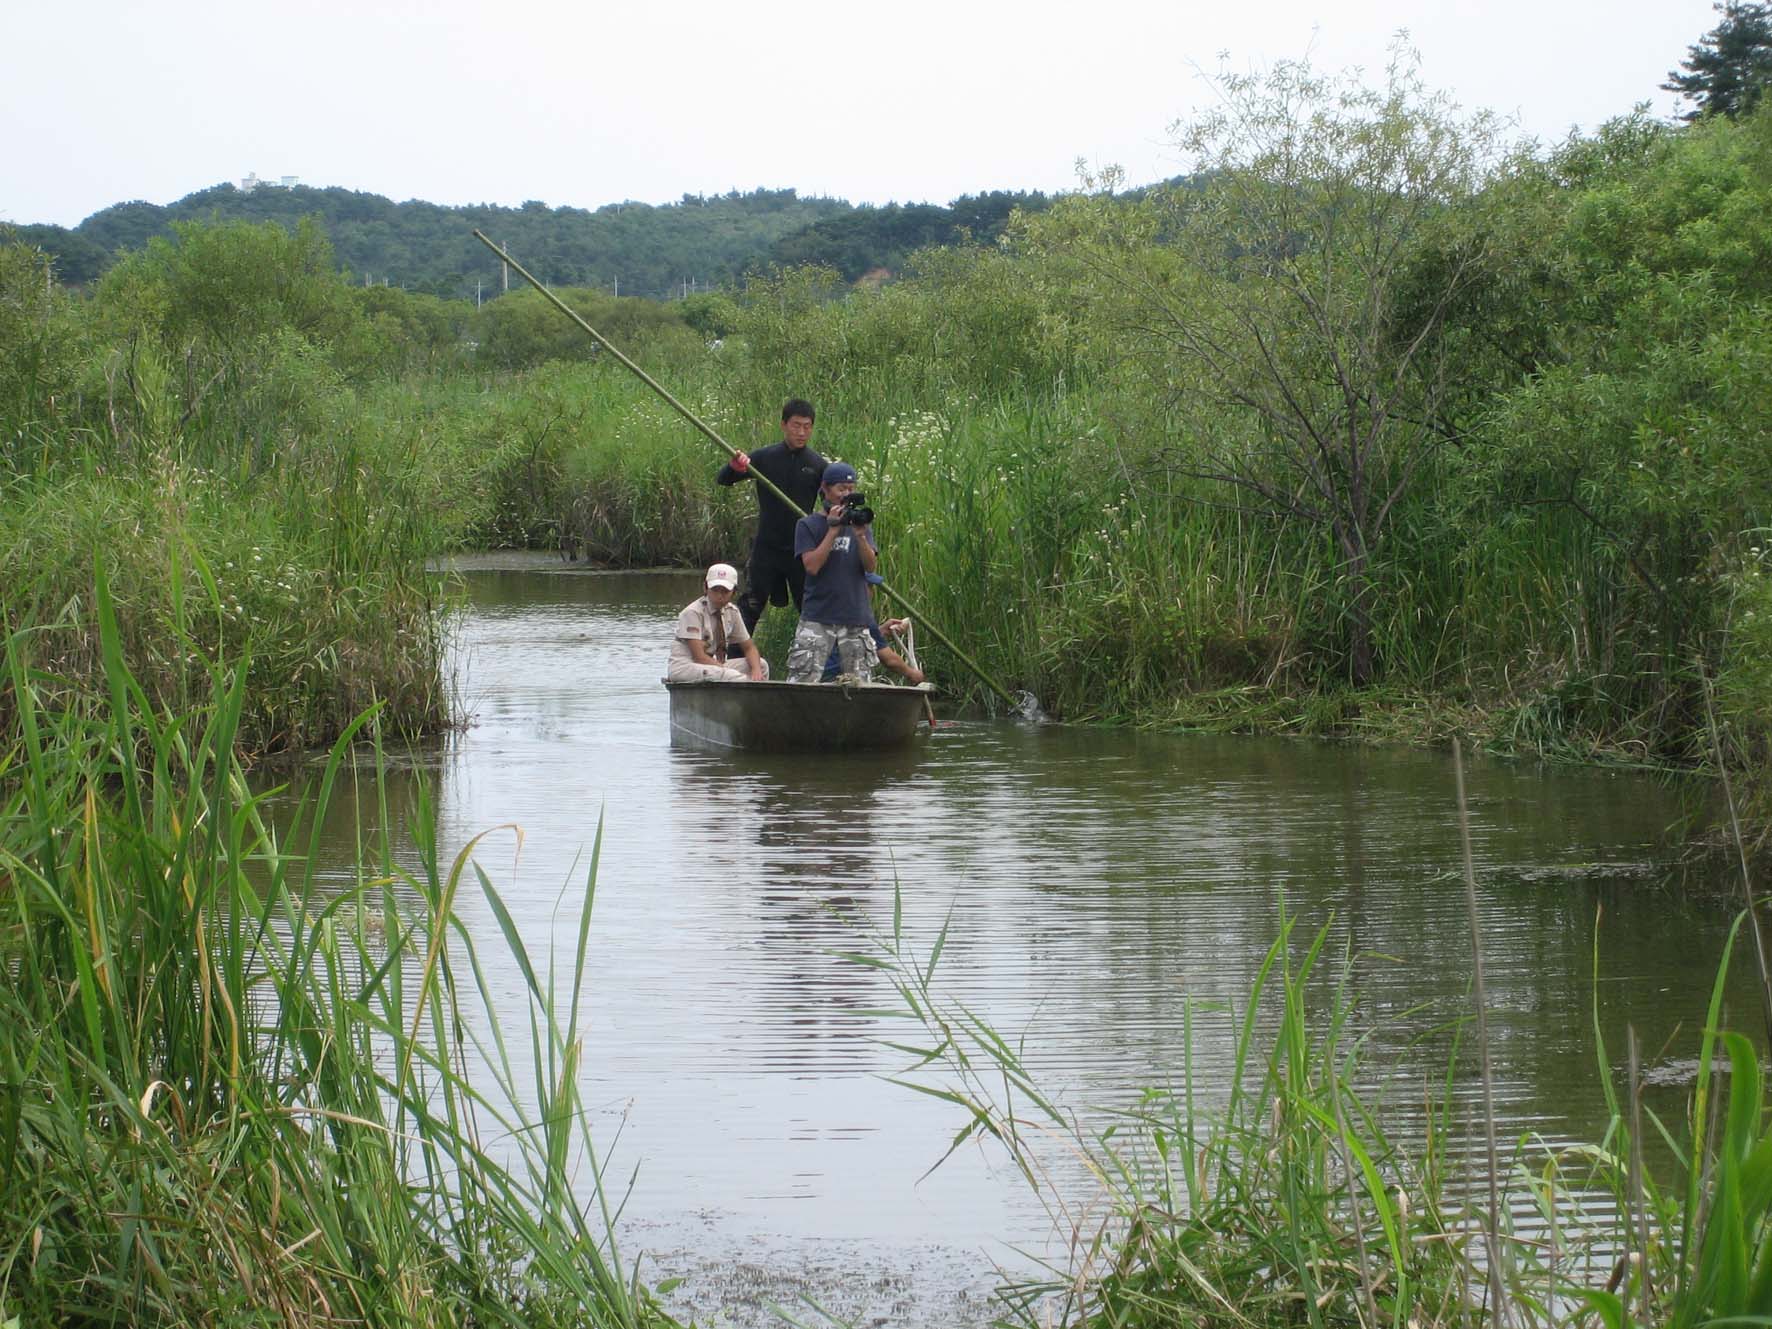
(839, 592)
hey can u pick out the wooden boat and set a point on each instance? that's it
(795, 717)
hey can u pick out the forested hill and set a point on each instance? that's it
(423, 246)
(642, 249)
(866, 239)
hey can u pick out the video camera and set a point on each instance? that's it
(856, 512)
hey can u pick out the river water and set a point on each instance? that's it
(1095, 884)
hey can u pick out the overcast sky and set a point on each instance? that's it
(583, 104)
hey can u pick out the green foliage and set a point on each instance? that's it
(1731, 1276)
(1744, 675)
(76, 260)
(1728, 69)
(227, 343)
(1631, 465)
(869, 239)
(1274, 1195)
(639, 485)
(1265, 300)
(429, 248)
(641, 249)
(965, 322)
(713, 314)
(1659, 202)
(232, 1095)
(401, 331)
(195, 424)
(1699, 1242)
(1363, 397)
(39, 343)
(1024, 527)
(1272, 1198)
(315, 581)
(523, 329)
(231, 284)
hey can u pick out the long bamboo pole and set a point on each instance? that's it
(713, 437)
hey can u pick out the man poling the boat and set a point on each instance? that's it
(1024, 704)
(774, 574)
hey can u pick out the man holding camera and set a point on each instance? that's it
(836, 547)
(775, 574)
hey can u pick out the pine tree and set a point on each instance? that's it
(1731, 65)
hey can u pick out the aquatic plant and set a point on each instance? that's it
(322, 591)
(227, 1096)
(1275, 1195)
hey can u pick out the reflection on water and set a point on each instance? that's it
(1097, 882)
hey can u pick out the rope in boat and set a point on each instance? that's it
(908, 640)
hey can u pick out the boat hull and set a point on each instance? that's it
(794, 717)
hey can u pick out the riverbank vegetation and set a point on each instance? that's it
(230, 1095)
(195, 432)
(1280, 1194)
(1377, 424)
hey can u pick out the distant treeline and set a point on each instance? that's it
(625, 248)
(865, 240)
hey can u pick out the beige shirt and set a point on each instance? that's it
(696, 623)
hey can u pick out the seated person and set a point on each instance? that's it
(710, 632)
(888, 657)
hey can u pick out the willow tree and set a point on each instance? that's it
(1285, 293)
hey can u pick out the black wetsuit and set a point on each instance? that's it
(774, 574)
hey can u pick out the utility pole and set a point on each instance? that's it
(476, 293)
(507, 268)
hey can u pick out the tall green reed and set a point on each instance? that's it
(229, 1096)
(1273, 1196)
(318, 581)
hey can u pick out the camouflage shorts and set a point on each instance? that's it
(812, 647)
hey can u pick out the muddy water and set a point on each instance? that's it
(1095, 884)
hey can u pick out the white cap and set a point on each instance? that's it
(723, 574)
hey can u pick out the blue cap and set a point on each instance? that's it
(874, 579)
(838, 473)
